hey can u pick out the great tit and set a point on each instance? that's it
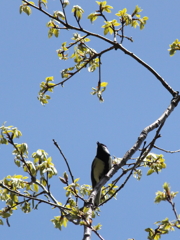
(101, 165)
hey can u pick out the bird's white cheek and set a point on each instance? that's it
(106, 149)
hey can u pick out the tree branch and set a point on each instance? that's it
(69, 169)
(116, 46)
(17, 193)
(163, 82)
(158, 123)
(167, 151)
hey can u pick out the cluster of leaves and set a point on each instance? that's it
(175, 46)
(41, 164)
(12, 186)
(166, 195)
(44, 87)
(78, 12)
(10, 132)
(74, 191)
(164, 226)
(125, 19)
(40, 170)
(99, 90)
(134, 19)
(53, 29)
(25, 8)
(83, 55)
(108, 192)
(103, 7)
(155, 163)
(15, 183)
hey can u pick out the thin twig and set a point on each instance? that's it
(64, 12)
(163, 82)
(97, 234)
(99, 82)
(56, 144)
(167, 151)
(147, 149)
(124, 172)
(122, 32)
(122, 185)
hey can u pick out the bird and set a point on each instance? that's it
(101, 165)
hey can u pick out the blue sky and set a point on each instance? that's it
(76, 120)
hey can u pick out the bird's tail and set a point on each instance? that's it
(97, 199)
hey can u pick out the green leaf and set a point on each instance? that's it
(5, 215)
(78, 11)
(107, 8)
(174, 47)
(21, 9)
(50, 33)
(150, 171)
(56, 32)
(65, 3)
(27, 10)
(17, 162)
(97, 227)
(76, 180)
(26, 208)
(64, 221)
(93, 16)
(48, 79)
(121, 13)
(166, 186)
(35, 187)
(59, 14)
(104, 84)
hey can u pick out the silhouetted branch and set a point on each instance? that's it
(167, 151)
(69, 169)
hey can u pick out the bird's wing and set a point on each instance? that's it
(97, 171)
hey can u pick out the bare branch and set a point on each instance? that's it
(163, 82)
(167, 151)
(148, 129)
(100, 237)
(69, 169)
(99, 82)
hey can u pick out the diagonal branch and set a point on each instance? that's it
(163, 82)
(69, 169)
(158, 123)
(33, 198)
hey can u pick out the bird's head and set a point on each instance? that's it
(102, 149)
